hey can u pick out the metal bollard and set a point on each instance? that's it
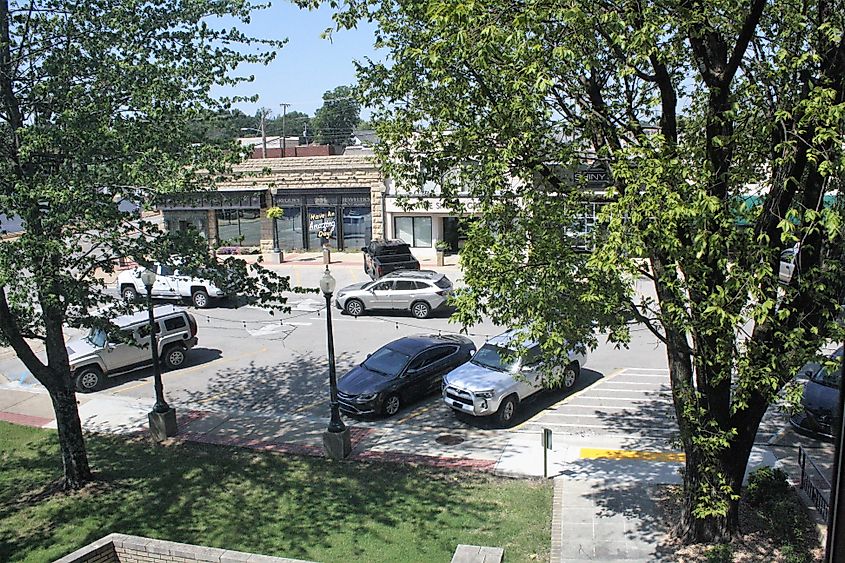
(327, 255)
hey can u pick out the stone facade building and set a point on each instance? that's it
(324, 199)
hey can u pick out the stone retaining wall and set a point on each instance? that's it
(120, 548)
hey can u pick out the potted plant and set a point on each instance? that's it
(276, 255)
(441, 246)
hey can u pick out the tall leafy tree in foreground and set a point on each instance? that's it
(95, 103)
(692, 105)
(337, 117)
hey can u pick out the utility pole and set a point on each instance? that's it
(284, 131)
(263, 112)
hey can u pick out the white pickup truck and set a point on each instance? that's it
(169, 284)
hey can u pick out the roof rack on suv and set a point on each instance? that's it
(419, 274)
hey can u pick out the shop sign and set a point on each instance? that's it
(287, 201)
(322, 222)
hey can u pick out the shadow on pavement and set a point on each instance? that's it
(193, 357)
(536, 404)
(286, 388)
(390, 314)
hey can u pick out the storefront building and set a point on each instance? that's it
(335, 200)
(429, 222)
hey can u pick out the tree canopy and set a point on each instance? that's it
(692, 106)
(96, 99)
(337, 117)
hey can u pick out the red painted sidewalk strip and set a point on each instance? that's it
(357, 436)
(24, 419)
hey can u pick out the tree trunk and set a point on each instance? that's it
(711, 528)
(71, 442)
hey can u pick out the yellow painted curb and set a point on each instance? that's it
(595, 453)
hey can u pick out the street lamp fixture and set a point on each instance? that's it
(336, 439)
(162, 417)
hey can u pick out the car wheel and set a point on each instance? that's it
(507, 409)
(391, 405)
(420, 309)
(200, 299)
(354, 307)
(89, 378)
(570, 375)
(174, 357)
(129, 293)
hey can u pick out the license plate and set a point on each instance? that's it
(457, 404)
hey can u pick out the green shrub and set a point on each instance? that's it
(721, 553)
(765, 485)
(793, 554)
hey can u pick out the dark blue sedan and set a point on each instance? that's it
(401, 372)
(820, 399)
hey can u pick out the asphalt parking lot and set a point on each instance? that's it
(251, 361)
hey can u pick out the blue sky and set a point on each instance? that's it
(308, 65)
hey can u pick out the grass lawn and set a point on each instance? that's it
(265, 503)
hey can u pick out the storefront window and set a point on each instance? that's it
(416, 231)
(322, 227)
(289, 228)
(239, 227)
(183, 220)
(357, 227)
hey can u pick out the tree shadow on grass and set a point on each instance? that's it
(250, 501)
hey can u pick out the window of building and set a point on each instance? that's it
(416, 231)
(289, 228)
(239, 227)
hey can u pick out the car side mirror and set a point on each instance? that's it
(363, 249)
(138, 275)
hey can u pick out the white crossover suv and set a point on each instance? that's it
(496, 380)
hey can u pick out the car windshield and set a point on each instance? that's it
(827, 378)
(493, 357)
(387, 361)
(97, 337)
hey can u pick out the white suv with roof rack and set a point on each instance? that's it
(417, 291)
(100, 355)
(497, 379)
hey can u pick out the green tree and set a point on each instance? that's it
(96, 99)
(220, 126)
(337, 117)
(692, 106)
(294, 124)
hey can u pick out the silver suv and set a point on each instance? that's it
(496, 380)
(100, 355)
(420, 292)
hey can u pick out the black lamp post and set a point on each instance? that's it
(327, 285)
(336, 439)
(275, 236)
(162, 417)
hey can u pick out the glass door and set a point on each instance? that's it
(322, 227)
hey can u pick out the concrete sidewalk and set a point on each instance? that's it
(603, 505)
